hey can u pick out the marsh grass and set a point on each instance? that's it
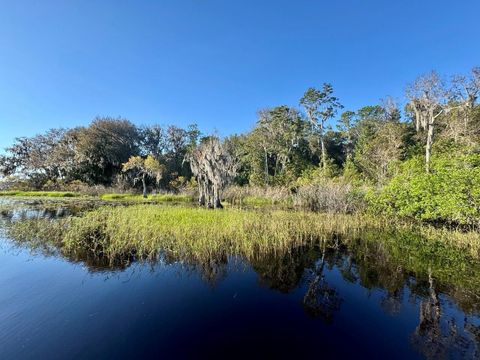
(155, 198)
(145, 229)
(52, 194)
(257, 196)
(127, 197)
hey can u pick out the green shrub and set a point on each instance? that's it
(450, 193)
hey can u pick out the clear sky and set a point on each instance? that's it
(216, 62)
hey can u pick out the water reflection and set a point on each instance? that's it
(321, 299)
(322, 279)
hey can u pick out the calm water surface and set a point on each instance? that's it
(312, 302)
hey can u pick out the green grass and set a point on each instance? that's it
(260, 201)
(55, 194)
(143, 229)
(125, 197)
(151, 198)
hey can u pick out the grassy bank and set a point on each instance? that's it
(53, 194)
(145, 229)
(112, 196)
(151, 198)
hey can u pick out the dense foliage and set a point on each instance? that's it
(450, 192)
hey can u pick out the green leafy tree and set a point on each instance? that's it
(320, 106)
(102, 148)
(41, 158)
(276, 150)
(143, 168)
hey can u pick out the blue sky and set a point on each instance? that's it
(216, 62)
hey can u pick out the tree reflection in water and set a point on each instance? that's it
(438, 337)
(321, 300)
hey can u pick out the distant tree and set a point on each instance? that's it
(378, 137)
(390, 108)
(193, 135)
(463, 125)
(48, 156)
(153, 141)
(143, 168)
(346, 126)
(104, 146)
(383, 149)
(276, 150)
(320, 106)
(213, 167)
(428, 99)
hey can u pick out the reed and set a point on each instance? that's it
(54, 194)
(145, 229)
(155, 198)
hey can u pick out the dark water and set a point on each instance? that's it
(313, 302)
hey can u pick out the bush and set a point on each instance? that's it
(255, 195)
(318, 190)
(450, 193)
(330, 196)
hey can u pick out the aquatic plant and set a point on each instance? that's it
(151, 198)
(55, 194)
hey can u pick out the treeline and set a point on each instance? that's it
(421, 160)
(97, 154)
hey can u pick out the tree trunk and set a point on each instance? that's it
(144, 183)
(216, 198)
(324, 153)
(428, 146)
(266, 166)
(201, 191)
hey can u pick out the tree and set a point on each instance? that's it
(102, 148)
(320, 105)
(276, 151)
(143, 168)
(385, 147)
(213, 167)
(43, 157)
(378, 139)
(463, 125)
(428, 100)
(346, 125)
(153, 141)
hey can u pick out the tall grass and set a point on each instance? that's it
(144, 230)
(151, 198)
(257, 196)
(55, 194)
(112, 196)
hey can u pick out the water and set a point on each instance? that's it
(343, 302)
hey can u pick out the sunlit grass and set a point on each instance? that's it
(151, 198)
(260, 201)
(145, 229)
(55, 194)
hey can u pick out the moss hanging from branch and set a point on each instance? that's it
(214, 167)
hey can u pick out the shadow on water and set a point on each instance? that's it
(328, 279)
